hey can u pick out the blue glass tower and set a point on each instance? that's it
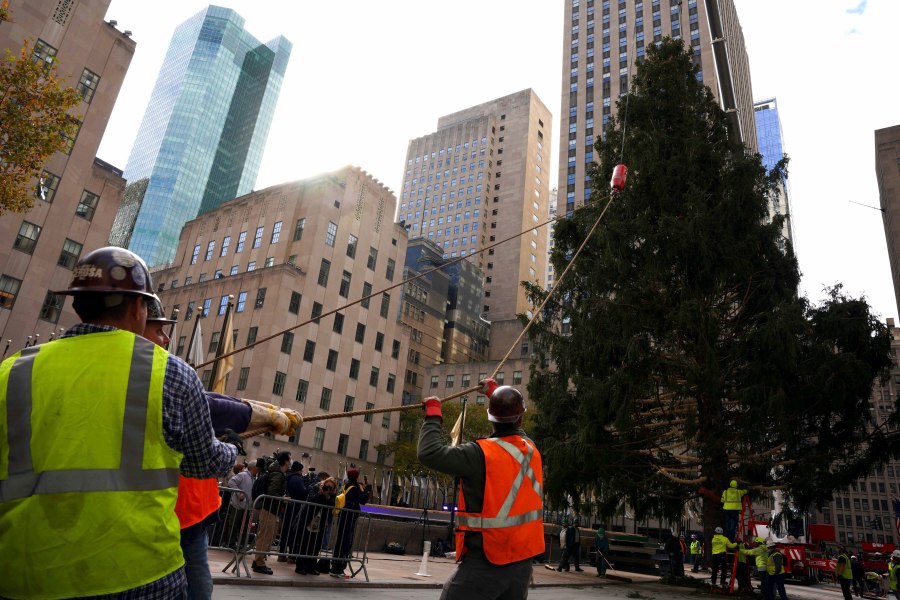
(771, 147)
(202, 137)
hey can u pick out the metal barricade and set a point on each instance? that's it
(232, 531)
(313, 536)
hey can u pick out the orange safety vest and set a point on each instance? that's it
(511, 520)
(197, 499)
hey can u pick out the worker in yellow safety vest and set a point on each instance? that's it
(774, 573)
(843, 571)
(731, 504)
(760, 554)
(893, 571)
(720, 544)
(94, 427)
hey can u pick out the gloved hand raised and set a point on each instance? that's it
(432, 406)
(488, 386)
(282, 421)
(230, 437)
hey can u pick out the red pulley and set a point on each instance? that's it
(620, 174)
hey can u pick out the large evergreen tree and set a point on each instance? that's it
(682, 355)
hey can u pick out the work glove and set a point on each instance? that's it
(488, 386)
(282, 421)
(230, 437)
(432, 406)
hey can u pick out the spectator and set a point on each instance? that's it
(268, 517)
(296, 490)
(311, 522)
(355, 495)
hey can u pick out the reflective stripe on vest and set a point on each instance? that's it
(24, 482)
(503, 519)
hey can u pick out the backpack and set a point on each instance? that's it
(341, 500)
(260, 486)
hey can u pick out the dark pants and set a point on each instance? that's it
(731, 523)
(343, 544)
(775, 582)
(743, 575)
(845, 587)
(477, 579)
(572, 552)
(696, 560)
(719, 562)
(601, 564)
(676, 566)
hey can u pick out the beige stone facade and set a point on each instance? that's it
(287, 254)
(482, 178)
(448, 379)
(602, 41)
(80, 194)
(887, 173)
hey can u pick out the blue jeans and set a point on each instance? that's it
(196, 562)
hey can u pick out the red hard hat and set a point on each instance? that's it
(506, 405)
(155, 312)
(111, 270)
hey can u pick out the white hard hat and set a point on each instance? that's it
(895, 554)
(719, 530)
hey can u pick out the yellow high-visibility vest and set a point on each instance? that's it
(87, 481)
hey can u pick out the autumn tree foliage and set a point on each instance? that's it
(682, 355)
(34, 123)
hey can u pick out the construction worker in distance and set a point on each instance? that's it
(500, 526)
(774, 573)
(893, 573)
(198, 501)
(843, 571)
(695, 553)
(731, 504)
(94, 428)
(761, 557)
(720, 544)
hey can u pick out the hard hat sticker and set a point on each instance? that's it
(87, 272)
(137, 275)
(117, 273)
(123, 258)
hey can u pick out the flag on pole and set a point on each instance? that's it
(224, 365)
(457, 430)
(195, 353)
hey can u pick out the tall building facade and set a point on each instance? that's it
(288, 254)
(887, 172)
(771, 147)
(593, 80)
(77, 196)
(482, 178)
(203, 134)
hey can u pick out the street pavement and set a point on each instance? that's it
(398, 577)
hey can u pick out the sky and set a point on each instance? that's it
(366, 77)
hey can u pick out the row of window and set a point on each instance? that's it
(50, 308)
(450, 379)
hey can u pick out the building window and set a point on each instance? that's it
(360, 333)
(196, 254)
(343, 442)
(351, 246)
(395, 349)
(287, 342)
(354, 368)
(344, 290)
(338, 326)
(260, 297)
(294, 306)
(348, 403)
(251, 266)
(373, 258)
(209, 250)
(71, 250)
(379, 341)
(323, 272)
(226, 241)
(367, 291)
(309, 351)
(330, 234)
(46, 187)
(386, 420)
(302, 389)
(27, 238)
(70, 138)
(207, 302)
(204, 379)
(242, 238)
(9, 289)
(243, 377)
(223, 304)
(278, 386)
(391, 382)
(385, 305)
(214, 342)
(87, 85)
(331, 362)
(298, 229)
(242, 301)
(43, 54)
(373, 377)
(251, 335)
(257, 239)
(434, 381)
(368, 417)
(182, 339)
(325, 400)
(276, 232)
(270, 262)
(87, 205)
(364, 450)
(52, 307)
(234, 270)
(190, 311)
(517, 377)
(390, 269)
(319, 438)
(217, 274)
(466, 380)
(449, 381)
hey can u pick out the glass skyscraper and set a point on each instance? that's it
(202, 137)
(771, 147)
